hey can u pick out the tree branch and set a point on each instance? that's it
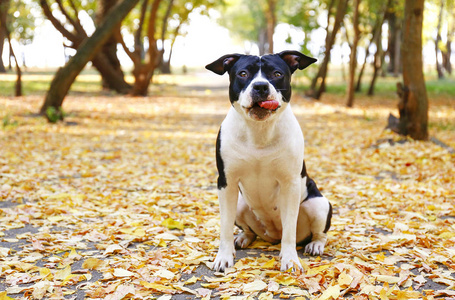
(76, 24)
(138, 47)
(152, 51)
(59, 26)
(165, 19)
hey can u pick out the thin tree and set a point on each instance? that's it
(374, 33)
(317, 86)
(394, 22)
(353, 57)
(413, 105)
(4, 6)
(3, 15)
(66, 75)
(270, 17)
(437, 42)
(145, 62)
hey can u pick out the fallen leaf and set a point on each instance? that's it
(255, 286)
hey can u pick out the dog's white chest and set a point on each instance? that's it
(263, 160)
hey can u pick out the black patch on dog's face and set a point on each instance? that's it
(241, 74)
(272, 67)
(277, 72)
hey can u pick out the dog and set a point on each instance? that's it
(263, 185)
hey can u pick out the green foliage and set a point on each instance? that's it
(8, 123)
(21, 20)
(54, 115)
(244, 19)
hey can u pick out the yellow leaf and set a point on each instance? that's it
(255, 286)
(93, 263)
(63, 273)
(119, 272)
(269, 264)
(380, 256)
(344, 279)
(383, 295)
(172, 224)
(139, 232)
(447, 235)
(4, 251)
(156, 286)
(387, 278)
(192, 280)
(164, 274)
(317, 270)
(55, 219)
(3, 296)
(71, 276)
(45, 273)
(333, 292)
(285, 280)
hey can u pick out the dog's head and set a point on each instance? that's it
(260, 87)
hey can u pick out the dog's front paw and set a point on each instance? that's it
(290, 261)
(315, 248)
(223, 261)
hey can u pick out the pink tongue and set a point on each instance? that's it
(269, 104)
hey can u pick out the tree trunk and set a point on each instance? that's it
(165, 66)
(376, 67)
(353, 57)
(394, 42)
(392, 39)
(398, 44)
(316, 91)
(2, 44)
(358, 86)
(413, 106)
(143, 72)
(270, 16)
(4, 5)
(18, 86)
(66, 75)
(106, 61)
(448, 54)
(379, 56)
(109, 68)
(262, 42)
(437, 41)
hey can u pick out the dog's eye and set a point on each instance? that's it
(243, 74)
(277, 74)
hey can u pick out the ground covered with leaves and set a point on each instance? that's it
(119, 202)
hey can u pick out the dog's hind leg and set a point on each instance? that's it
(318, 211)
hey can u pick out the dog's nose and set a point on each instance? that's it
(261, 87)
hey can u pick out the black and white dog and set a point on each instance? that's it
(263, 185)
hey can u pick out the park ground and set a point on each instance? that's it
(119, 200)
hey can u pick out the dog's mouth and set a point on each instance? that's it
(261, 110)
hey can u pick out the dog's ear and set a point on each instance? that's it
(223, 64)
(296, 60)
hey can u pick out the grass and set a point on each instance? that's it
(385, 86)
(37, 82)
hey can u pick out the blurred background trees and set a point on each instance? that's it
(368, 35)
